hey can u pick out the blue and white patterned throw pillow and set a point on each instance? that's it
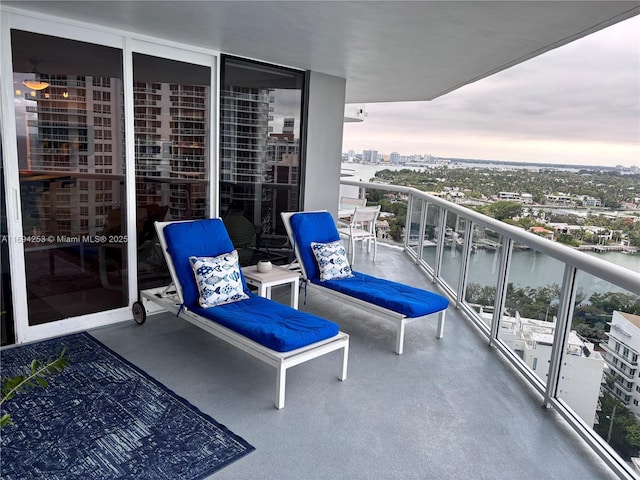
(332, 260)
(218, 279)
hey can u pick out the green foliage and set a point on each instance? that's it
(35, 375)
(504, 209)
(397, 208)
(542, 303)
(609, 301)
(633, 435)
(527, 222)
(486, 183)
(567, 240)
(621, 423)
(396, 231)
(478, 295)
(593, 333)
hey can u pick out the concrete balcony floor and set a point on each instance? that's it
(445, 409)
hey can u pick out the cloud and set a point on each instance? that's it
(579, 104)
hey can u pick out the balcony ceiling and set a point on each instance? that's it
(387, 51)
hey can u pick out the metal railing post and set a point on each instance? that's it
(442, 225)
(562, 331)
(407, 222)
(501, 288)
(423, 224)
(466, 258)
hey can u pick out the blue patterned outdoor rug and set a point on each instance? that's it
(103, 418)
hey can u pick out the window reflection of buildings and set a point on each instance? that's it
(171, 124)
(75, 134)
(69, 135)
(259, 166)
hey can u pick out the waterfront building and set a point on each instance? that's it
(543, 232)
(509, 196)
(526, 198)
(560, 200)
(588, 201)
(369, 156)
(622, 350)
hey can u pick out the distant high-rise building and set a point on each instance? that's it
(369, 156)
(394, 158)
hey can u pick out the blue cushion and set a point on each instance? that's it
(310, 227)
(409, 301)
(199, 238)
(274, 325)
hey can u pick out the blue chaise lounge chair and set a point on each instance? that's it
(204, 268)
(394, 301)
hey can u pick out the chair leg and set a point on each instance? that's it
(440, 332)
(344, 362)
(281, 384)
(352, 249)
(400, 337)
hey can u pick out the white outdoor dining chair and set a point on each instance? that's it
(346, 207)
(362, 228)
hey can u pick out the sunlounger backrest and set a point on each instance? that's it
(200, 238)
(307, 227)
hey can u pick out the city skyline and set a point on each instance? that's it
(578, 104)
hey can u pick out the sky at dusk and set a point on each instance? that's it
(577, 104)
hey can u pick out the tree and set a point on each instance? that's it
(479, 295)
(633, 435)
(610, 301)
(617, 423)
(567, 239)
(505, 209)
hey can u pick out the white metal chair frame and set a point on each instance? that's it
(356, 202)
(345, 203)
(170, 298)
(362, 228)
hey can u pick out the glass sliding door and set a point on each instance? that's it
(260, 149)
(68, 98)
(172, 153)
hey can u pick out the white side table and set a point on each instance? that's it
(277, 276)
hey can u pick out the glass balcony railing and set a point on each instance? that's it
(567, 321)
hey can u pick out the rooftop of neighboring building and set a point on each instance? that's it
(630, 317)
